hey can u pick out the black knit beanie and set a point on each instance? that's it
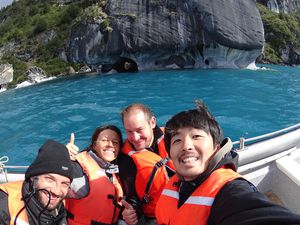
(53, 157)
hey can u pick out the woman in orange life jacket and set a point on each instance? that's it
(96, 192)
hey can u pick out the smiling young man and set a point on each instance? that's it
(39, 199)
(207, 190)
(144, 150)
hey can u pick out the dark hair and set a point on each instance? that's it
(102, 128)
(199, 118)
(145, 109)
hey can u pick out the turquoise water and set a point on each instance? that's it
(245, 102)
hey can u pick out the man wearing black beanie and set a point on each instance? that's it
(38, 199)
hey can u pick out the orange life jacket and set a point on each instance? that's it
(196, 208)
(102, 204)
(15, 203)
(145, 161)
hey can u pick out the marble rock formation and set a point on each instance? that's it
(6, 75)
(171, 34)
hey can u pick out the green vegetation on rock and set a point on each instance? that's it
(281, 30)
(33, 33)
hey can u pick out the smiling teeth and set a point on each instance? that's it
(189, 159)
(108, 150)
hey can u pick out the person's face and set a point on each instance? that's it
(107, 145)
(55, 187)
(138, 129)
(191, 150)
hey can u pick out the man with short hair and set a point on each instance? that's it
(144, 166)
(39, 199)
(207, 190)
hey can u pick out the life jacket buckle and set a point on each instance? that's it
(146, 199)
(114, 200)
(162, 162)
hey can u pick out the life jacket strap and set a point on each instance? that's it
(147, 198)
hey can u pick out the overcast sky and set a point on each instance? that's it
(5, 3)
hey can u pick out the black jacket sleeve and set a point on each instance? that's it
(240, 203)
(127, 174)
(80, 186)
(4, 212)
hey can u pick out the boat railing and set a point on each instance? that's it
(5, 170)
(4, 167)
(265, 149)
(243, 141)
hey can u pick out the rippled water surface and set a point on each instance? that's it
(245, 102)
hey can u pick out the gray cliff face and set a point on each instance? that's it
(285, 6)
(181, 34)
(6, 73)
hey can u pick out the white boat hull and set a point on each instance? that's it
(273, 165)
